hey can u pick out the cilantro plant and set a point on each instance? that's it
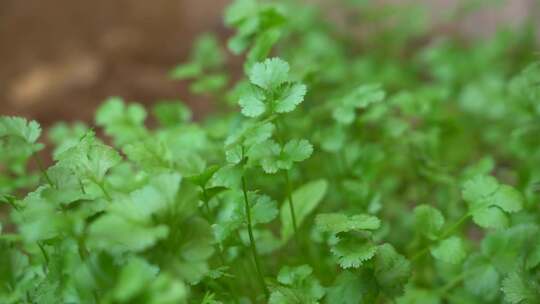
(392, 165)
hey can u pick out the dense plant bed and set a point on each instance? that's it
(389, 167)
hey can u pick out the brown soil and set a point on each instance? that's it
(60, 58)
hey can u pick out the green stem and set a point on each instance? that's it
(83, 251)
(206, 202)
(291, 205)
(419, 254)
(252, 240)
(453, 283)
(446, 234)
(81, 186)
(44, 253)
(42, 170)
(102, 188)
(456, 225)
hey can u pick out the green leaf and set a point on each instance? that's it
(290, 276)
(252, 104)
(352, 288)
(525, 84)
(289, 97)
(210, 83)
(207, 51)
(271, 89)
(450, 250)
(504, 248)
(508, 199)
(205, 56)
(533, 260)
(125, 123)
(392, 270)
(28, 131)
(269, 74)
(185, 71)
(258, 134)
(428, 221)
(202, 179)
(166, 289)
(417, 295)
(338, 222)
(89, 158)
(490, 217)
(39, 219)
(297, 150)
(128, 225)
(263, 209)
(262, 46)
(306, 198)
(251, 134)
(213, 191)
(234, 155)
(359, 98)
(488, 201)
(484, 278)
(332, 139)
(116, 234)
(149, 154)
(240, 10)
(171, 113)
(133, 279)
(271, 157)
(479, 188)
(517, 289)
(138, 279)
(65, 136)
(352, 253)
(298, 285)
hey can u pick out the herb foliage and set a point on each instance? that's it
(339, 170)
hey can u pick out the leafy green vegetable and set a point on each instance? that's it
(489, 201)
(386, 165)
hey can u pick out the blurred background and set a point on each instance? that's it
(60, 58)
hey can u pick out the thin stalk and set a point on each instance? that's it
(42, 169)
(453, 283)
(448, 232)
(205, 201)
(252, 240)
(102, 188)
(291, 205)
(81, 185)
(83, 251)
(289, 187)
(45, 255)
(419, 254)
(455, 226)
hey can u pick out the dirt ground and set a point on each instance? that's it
(60, 58)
